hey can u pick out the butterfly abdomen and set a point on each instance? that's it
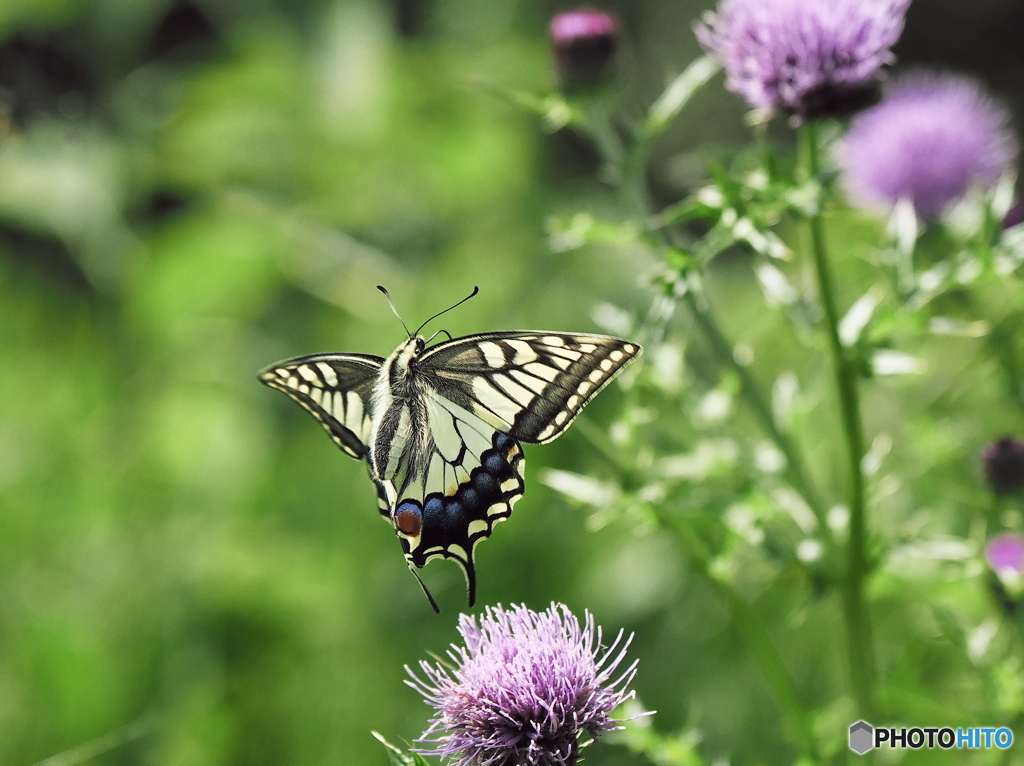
(399, 414)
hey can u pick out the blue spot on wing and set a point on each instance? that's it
(432, 509)
(484, 482)
(452, 513)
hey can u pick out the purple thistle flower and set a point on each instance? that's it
(524, 688)
(1005, 553)
(810, 58)
(929, 141)
(584, 42)
(1003, 465)
(1005, 556)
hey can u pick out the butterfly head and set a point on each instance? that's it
(407, 352)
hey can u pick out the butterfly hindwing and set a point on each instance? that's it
(333, 388)
(444, 511)
(530, 384)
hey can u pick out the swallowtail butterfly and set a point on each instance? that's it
(441, 426)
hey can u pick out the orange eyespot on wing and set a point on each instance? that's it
(409, 521)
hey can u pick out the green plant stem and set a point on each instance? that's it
(795, 715)
(630, 167)
(101, 745)
(1001, 343)
(796, 472)
(633, 186)
(858, 626)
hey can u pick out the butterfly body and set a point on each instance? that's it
(440, 427)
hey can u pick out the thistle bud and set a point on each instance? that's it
(584, 42)
(1003, 464)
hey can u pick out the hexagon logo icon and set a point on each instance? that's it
(862, 736)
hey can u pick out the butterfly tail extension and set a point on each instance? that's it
(430, 598)
(470, 569)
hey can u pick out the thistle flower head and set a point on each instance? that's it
(810, 58)
(523, 689)
(929, 141)
(1003, 465)
(584, 42)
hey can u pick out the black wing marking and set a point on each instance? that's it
(335, 389)
(530, 384)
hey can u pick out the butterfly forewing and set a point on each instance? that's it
(530, 384)
(335, 389)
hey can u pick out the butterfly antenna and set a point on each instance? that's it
(431, 338)
(405, 327)
(426, 592)
(476, 289)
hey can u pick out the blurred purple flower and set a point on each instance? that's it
(1003, 465)
(524, 688)
(1005, 554)
(810, 58)
(929, 141)
(584, 42)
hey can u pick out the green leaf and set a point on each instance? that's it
(761, 241)
(397, 756)
(679, 260)
(852, 325)
(553, 109)
(903, 227)
(805, 199)
(960, 328)
(704, 203)
(714, 242)
(777, 289)
(567, 233)
(678, 94)
(888, 362)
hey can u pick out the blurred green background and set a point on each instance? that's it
(190, 572)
